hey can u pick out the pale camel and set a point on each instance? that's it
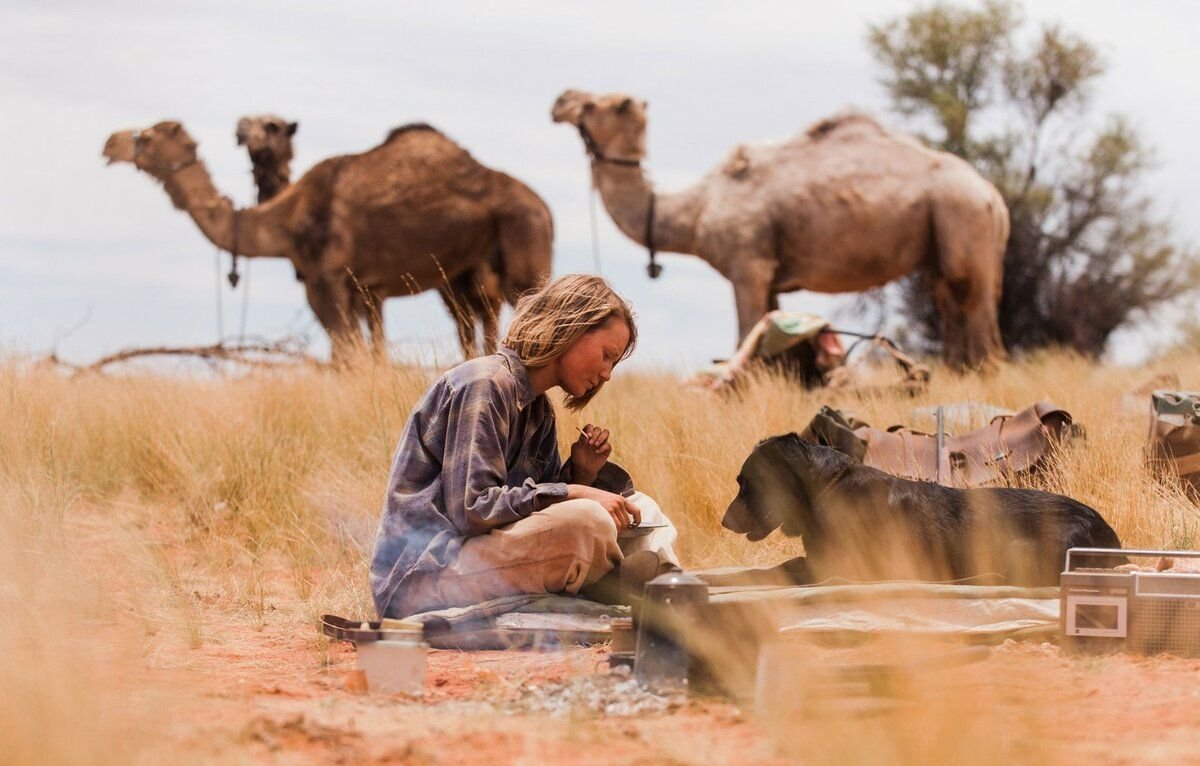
(415, 212)
(474, 297)
(845, 206)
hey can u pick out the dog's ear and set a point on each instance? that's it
(789, 444)
(794, 450)
(797, 462)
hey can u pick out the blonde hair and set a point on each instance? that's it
(548, 321)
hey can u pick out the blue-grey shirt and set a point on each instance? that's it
(479, 451)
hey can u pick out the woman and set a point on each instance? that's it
(479, 503)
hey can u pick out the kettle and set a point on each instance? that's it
(665, 621)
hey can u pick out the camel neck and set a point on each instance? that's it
(191, 189)
(271, 180)
(626, 192)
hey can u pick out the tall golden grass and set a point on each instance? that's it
(108, 483)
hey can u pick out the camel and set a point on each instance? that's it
(415, 212)
(845, 206)
(475, 296)
(268, 139)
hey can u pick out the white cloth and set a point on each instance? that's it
(661, 541)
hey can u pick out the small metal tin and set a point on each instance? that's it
(623, 637)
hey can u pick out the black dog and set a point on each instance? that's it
(862, 524)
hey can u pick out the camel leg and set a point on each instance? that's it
(491, 324)
(966, 282)
(373, 310)
(363, 312)
(457, 302)
(983, 342)
(950, 320)
(751, 294)
(525, 251)
(970, 330)
(331, 301)
(489, 297)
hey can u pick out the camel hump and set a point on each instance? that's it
(841, 121)
(409, 128)
(422, 138)
(737, 165)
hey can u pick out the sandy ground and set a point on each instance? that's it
(253, 683)
(278, 692)
(264, 696)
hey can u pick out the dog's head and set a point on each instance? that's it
(773, 490)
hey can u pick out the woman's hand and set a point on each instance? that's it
(623, 512)
(589, 453)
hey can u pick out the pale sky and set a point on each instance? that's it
(95, 259)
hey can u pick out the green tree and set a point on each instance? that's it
(1087, 253)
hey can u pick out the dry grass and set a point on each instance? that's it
(175, 481)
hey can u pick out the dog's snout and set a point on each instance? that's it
(737, 517)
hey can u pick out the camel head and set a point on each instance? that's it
(159, 150)
(613, 126)
(267, 137)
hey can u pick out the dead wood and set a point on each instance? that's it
(257, 353)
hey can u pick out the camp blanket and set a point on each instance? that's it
(989, 613)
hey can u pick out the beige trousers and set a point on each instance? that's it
(558, 549)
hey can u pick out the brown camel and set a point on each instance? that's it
(471, 298)
(415, 212)
(268, 139)
(844, 207)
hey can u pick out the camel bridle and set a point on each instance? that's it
(139, 141)
(593, 150)
(597, 156)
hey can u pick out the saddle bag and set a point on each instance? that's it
(1008, 445)
(1174, 445)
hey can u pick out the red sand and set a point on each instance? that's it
(264, 685)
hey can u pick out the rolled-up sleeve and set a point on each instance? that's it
(474, 472)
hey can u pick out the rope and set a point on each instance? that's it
(234, 268)
(653, 269)
(245, 300)
(595, 230)
(220, 309)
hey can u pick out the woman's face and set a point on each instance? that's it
(589, 361)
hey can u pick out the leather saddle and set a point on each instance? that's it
(1174, 444)
(1008, 445)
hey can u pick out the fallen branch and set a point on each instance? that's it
(251, 353)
